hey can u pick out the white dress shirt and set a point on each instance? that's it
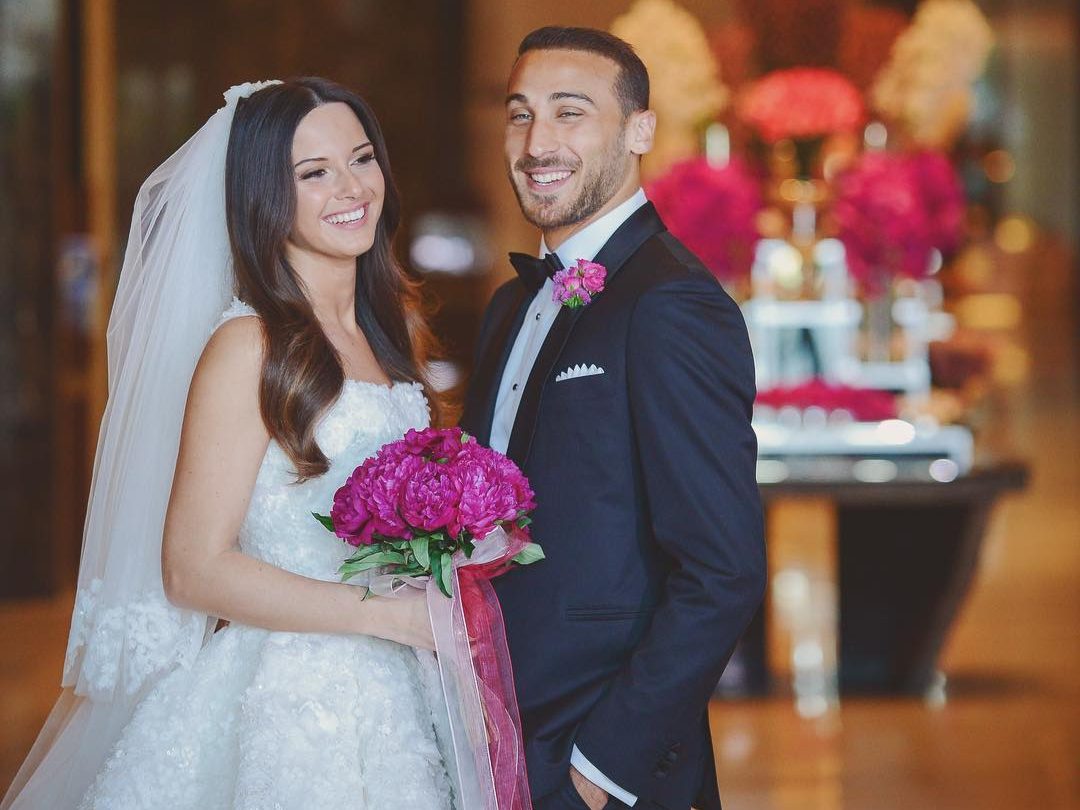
(543, 310)
(584, 244)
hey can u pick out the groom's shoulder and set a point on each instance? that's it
(664, 266)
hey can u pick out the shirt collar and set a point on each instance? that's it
(586, 243)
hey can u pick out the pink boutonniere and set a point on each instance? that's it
(577, 286)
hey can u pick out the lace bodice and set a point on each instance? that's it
(279, 527)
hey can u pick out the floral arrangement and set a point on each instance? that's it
(864, 404)
(926, 86)
(685, 87)
(577, 286)
(712, 210)
(891, 210)
(801, 103)
(425, 498)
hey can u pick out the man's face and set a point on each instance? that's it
(569, 148)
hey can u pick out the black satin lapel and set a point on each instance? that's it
(489, 371)
(624, 243)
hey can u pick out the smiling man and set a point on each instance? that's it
(624, 389)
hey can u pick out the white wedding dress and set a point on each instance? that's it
(296, 721)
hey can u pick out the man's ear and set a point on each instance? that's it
(641, 132)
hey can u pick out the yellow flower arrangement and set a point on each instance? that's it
(686, 91)
(926, 85)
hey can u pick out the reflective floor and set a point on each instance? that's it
(1008, 734)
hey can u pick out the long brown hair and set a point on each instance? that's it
(302, 374)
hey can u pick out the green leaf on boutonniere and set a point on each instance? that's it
(524, 522)
(468, 547)
(419, 547)
(325, 520)
(530, 554)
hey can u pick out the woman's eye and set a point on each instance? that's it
(312, 174)
(364, 159)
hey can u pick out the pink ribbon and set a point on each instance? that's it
(477, 679)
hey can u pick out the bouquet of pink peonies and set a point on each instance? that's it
(437, 503)
(426, 497)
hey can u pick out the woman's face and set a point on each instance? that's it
(339, 185)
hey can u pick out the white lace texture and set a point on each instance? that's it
(145, 637)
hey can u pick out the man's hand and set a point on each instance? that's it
(593, 796)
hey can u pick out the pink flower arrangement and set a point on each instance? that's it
(865, 404)
(892, 210)
(577, 286)
(423, 498)
(713, 211)
(801, 103)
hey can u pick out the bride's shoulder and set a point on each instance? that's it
(233, 355)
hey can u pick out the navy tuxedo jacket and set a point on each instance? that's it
(648, 511)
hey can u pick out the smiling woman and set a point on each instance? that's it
(337, 186)
(207, 514)
(336, 166)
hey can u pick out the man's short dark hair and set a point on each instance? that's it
(632, 83)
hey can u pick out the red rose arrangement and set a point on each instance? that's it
(801, 103)
(865, 404)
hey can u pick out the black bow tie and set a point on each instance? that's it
(534, 271)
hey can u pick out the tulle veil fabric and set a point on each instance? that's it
(175, 282)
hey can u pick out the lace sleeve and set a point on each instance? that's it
(237, 309)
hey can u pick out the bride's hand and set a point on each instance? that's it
(404, 619)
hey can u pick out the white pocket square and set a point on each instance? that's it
(574, 372)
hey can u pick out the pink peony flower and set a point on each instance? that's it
(493, 490)
(434, 443)
(350, 514)
(429, 497)
(380, 484)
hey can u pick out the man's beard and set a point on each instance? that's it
(597, 188)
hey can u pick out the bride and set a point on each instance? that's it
(310, 697)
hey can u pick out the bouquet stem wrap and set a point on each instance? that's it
(477, 679)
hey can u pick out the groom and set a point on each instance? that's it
(631, 417)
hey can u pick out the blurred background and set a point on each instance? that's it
(890, 189)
